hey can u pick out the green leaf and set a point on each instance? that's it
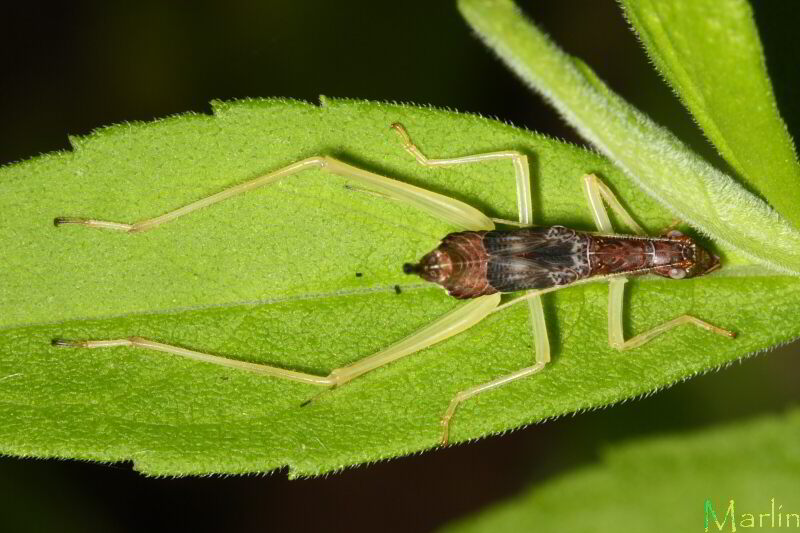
(709, 51)
(270, 276)
(657, 161)
(663, 483)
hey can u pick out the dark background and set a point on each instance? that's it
(70, 68)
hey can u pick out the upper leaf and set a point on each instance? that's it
(709, 51)
(655, 159)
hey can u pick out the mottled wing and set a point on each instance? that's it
(519, 241)
(536, 258)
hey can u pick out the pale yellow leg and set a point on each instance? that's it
(140, 342)
(474, 391)
(616, 337)
(452, 323)
(596, 192)
(541, 358)
(520, 162)
(459, 319)
(525, 210)
(507, 222)
(448, 209)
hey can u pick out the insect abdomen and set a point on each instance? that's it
(469, 260)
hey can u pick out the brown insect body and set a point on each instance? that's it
(469, 264)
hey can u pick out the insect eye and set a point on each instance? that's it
(677, 273)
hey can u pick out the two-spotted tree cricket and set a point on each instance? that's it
(479, 264)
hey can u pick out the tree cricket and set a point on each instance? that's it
(478, 264)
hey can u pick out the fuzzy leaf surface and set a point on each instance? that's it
(710, 53)
(270, 277)
(656, 160)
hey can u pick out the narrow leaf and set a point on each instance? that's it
(656, 160)
(709, 51)
(272, 276)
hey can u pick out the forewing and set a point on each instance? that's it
(517, 242)
(514, 273)
(535, 258)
